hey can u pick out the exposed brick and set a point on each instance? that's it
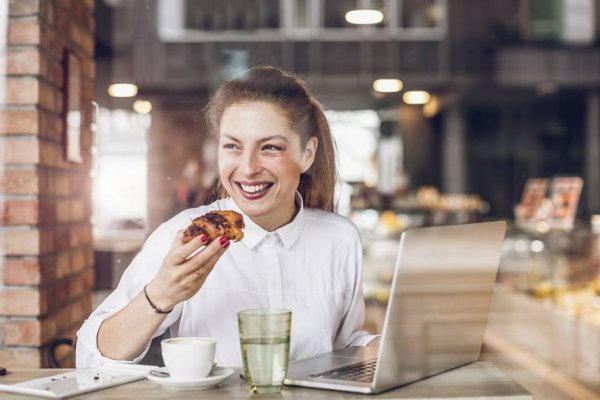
(46, 211)
(22, 91)
(63, 211)
(78, 259)
(62, 23)
(23, 32)
(53, 42)
(19, 122)
(23, 61)
(57, 295)
(22, 332)
(89, 69)
(55, 324)
(61, 245)
(20, 212)
(23, 7)
(89, 23)
(89, 256)
(65, 4)
(79, 184)
(90, 278)
(20, 241)
(19, 151)
(79, 311)
(56, 239)
(19, 181)
(61, 184)
(63, 264)
(84, 233)
(77, 210)
(77, 285)
(51, 154)
(22, 271)
(77, 11)
(22, 302)
(53, 71)
(50, 97)
(21, 358)
(51, 126)
(84, 39)
(49, 12)
(89, 4)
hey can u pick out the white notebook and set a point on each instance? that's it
(80, 381)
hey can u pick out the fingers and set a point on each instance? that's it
(207, 258)
(180, 251)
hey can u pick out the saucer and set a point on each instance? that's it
(217, 375)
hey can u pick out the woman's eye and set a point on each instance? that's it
(229, 146)
(272, 147)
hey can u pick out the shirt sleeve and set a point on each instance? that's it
(349, 332)
(141, 270)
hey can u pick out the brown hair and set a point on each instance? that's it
(274, 86)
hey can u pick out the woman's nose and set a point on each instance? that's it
(250, 163)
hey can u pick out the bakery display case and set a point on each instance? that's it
(558, 268)
(546, 304)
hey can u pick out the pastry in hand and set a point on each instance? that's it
(216, 223)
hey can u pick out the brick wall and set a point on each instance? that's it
(46, 253)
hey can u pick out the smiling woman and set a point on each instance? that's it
(261, 160)
(277, 110)
(277, 169)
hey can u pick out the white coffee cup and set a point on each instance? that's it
(188, 358)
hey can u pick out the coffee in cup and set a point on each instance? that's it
(188, 358)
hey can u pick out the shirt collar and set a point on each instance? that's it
(254, 234)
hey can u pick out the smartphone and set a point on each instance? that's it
(2, 371)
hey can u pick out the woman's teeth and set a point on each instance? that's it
(254, 188)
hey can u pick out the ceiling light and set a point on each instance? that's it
(416, 97)
(431, 108)
(122, 90)
(142, 106)
(387, 85)
(364, 17)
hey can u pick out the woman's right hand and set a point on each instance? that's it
(180, 275)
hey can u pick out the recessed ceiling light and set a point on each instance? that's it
(364, 17)
(432, 107)
(122, 90)
(416, 97)
(142, 106)
(387, 85)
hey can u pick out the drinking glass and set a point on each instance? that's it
(265, 342)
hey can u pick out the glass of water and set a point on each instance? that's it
(265, 341)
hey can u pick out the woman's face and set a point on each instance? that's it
(260, 161)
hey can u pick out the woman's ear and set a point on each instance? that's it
(310, 150)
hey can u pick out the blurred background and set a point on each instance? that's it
(443, 111)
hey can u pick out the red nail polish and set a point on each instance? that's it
(226, 245)
(224, 241)
(203, 238)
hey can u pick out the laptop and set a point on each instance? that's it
(436, 314)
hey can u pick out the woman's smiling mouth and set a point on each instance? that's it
(254, 191)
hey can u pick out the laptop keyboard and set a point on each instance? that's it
(361, 372)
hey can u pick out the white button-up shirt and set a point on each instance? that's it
(311, 266)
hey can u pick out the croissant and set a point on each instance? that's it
(216, 223)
